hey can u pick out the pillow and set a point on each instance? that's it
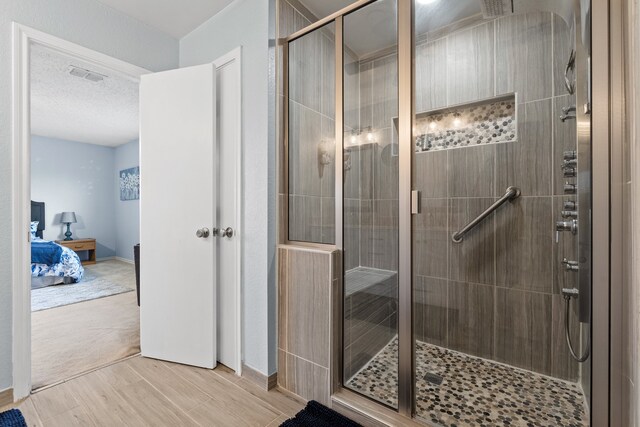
(34, 229)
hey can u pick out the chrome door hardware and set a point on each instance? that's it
(225, 232)
(202, 233)
(569, 109)
(571, 226)
(570, 266)
(569, 163)
(570, 205)
(569, 214)
(569, 172)
(570, 188)
(415, 202)
(565, 117)
(570, 155)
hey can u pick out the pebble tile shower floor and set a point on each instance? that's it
(474, 391)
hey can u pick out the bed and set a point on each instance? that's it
(51, 264)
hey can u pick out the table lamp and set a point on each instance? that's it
(68, 218)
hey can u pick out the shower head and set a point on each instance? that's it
(496, 8)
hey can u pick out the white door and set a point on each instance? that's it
(178, 198)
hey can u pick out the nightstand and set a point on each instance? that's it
(88, 245)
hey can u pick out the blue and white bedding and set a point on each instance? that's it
(69, 265)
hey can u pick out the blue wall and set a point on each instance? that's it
(72, 176)
(83, 178)
(127, 212)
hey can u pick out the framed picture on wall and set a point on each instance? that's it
(130, 183)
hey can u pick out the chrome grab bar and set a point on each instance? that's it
(512, 193)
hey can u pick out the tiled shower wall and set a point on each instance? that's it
(497, 294)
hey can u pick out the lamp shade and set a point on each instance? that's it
(68, 217)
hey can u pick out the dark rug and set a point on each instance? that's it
(12, 418)
(318, 415)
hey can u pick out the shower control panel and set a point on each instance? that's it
(569, 212)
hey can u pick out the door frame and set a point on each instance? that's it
(23, 38)
(235, 55)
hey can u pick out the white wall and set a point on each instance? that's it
(246, 23)
(85, 22)
(72, 176)
(127, 212)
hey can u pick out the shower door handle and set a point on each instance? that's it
(415, 202)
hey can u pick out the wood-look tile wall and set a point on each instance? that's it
(307, 287)
(497, 294)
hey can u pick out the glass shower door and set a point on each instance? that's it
(370, 351)
(492, 172)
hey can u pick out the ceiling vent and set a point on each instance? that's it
(86, 74)
(496, 8)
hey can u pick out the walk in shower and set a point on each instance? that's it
(444, 146)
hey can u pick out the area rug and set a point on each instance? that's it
(91, 287)
(12, 418)
(318, 415)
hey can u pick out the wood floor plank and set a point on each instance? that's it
(28, 412)
(76, 338)
(220, 412)
(228, 403)
(173, 386)
(286, 403)
(77, 416)
(106, 407)
(54, 401)
(153, 407)
(278, 421)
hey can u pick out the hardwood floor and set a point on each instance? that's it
(72, 339)
(146, 392)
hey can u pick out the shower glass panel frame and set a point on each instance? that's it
(404, 127)
(408, 199)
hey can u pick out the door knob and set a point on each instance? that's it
(225, 232)
(202, 233)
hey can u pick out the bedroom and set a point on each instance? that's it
(85, 216)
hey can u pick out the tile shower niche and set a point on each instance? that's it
(488, 121)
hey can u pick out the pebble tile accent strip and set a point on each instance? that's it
(489, 123)
(474, 391)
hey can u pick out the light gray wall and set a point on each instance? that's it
(246, 23)
(72, 176)
(91, 24)
(127, 212)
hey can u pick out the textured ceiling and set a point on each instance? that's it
(72, 108)
(174, 17)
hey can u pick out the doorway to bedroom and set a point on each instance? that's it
(85, 188)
